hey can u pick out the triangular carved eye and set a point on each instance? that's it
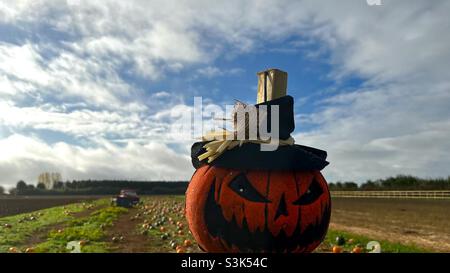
(312, 194)
(244, 188)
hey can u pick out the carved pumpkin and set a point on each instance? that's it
(257, 211)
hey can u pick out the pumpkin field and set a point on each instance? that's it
(158, 225)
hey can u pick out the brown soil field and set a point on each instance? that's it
(11, 205)
(422, 222)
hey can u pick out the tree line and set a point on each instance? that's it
(101, 187)
(108, 187)
(399, 182)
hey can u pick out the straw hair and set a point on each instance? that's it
(223, 140)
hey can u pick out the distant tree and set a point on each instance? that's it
(21, 185)
(332, 186)
(40, 186)
(369, 185)
(58, 185)
(349, 186)
(21, 188)
(2, 190)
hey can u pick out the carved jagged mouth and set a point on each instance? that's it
(230, 234)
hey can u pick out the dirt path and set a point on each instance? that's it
(133, 241)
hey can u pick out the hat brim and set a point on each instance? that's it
(250, 157)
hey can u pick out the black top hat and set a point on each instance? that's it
(250, 157)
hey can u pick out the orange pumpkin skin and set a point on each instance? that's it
(257, 211)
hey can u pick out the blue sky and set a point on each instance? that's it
(92, 89)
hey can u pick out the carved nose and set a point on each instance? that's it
(282, 208)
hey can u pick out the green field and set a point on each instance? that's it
(158, 225)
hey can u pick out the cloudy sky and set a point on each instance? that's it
(91, 89)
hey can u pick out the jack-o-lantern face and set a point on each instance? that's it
(257, 211)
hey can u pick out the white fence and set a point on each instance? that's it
(393, 194)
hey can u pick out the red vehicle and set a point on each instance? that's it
(127, 198)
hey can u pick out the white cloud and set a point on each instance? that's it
(213, 71)
(402, 40)
(209, 71)
(398, 124)
(88, 125)
(382, 132)
(66, 77)
(26, 157)
(23, 62)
